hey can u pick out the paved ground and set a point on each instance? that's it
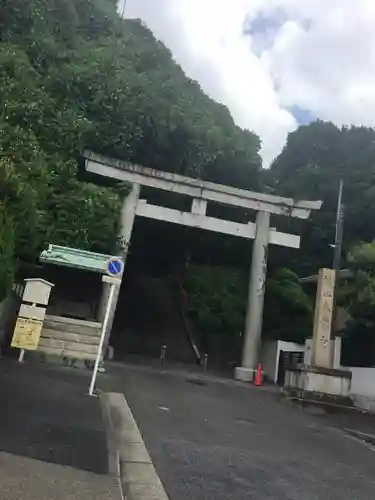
(52, 438)
(210, 438)
(220, 440)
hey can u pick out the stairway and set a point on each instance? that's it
(149, 316)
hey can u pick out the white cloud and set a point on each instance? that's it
(319, 56)
(328, 69)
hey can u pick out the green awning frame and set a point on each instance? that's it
(75, 258)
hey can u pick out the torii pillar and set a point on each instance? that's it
(255, 302)
(127, 218)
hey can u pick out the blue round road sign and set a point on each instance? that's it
(115, 266)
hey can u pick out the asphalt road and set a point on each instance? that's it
(45, 415)
(213, 440)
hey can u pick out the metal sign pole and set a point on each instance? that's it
(114, 269)
(102, 336)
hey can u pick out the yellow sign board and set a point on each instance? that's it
(27, 333)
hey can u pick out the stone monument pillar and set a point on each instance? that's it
(318, 379)
(321, 342)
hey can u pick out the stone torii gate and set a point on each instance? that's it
(201, 193)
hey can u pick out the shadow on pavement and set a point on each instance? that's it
(45, 414)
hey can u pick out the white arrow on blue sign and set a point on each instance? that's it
(115, 267)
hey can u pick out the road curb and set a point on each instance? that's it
(112, 449)
(326, 406)
(363, 436)
(129, 459)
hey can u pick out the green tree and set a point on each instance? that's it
(17, 221)
(217, 299)
(74, 76)
(311, 165)
(288, 309)
(7, 264)
(357, 295)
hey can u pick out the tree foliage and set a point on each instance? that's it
(357, 295)
(311, 165)
(74, 76)
(213, 292)
(286, 299)
(218, 296)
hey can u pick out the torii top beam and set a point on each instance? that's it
(196, 188)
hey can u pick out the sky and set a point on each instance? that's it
(274, 63)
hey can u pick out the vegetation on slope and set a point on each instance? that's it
(74, 76)
(311, 165)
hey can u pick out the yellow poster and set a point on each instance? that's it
(27, 333)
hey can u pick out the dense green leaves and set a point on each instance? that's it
(311, 165)
(74, 76)
(217, 304)
(286, 299)
(357, 296)
(7, 264)
(358, 292)
(217, 299)
(314, 160)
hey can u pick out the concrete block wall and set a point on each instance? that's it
(69, 338)
(362, 389)
(363, 380)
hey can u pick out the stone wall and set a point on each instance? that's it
(8, 315)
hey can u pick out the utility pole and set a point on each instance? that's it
(123, 9)
(337, 254)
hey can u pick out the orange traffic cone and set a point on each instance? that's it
(258, 376)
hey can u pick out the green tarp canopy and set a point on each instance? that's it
(75, 258)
